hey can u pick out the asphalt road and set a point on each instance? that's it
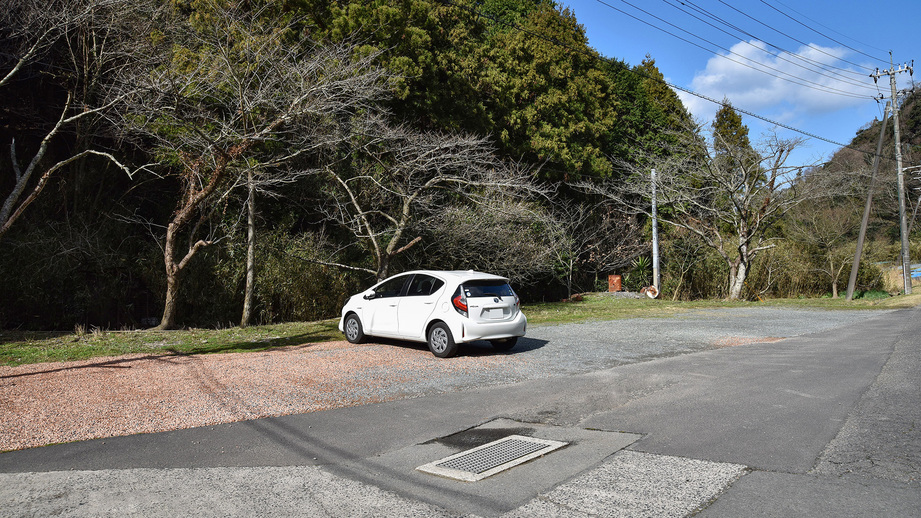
(663, 417)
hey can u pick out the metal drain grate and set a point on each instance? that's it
(489, 459)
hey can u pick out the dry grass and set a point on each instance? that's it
(893, 280)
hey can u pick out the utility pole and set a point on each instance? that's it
(852, 281)
(655, 237)
(903, 220)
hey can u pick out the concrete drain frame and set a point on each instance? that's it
(491, 458)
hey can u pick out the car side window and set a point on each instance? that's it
(391, 288)
(423, 285)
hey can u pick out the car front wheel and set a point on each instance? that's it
(353, 331)
(441, 343)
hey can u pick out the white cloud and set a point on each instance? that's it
(783, 86)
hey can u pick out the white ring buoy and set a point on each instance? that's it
(652, 292)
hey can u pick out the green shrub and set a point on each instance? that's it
(871, 295)
(289, 285)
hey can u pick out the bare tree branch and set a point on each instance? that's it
(396, 177)
(233, 101)
(729, 201)
(31, 28)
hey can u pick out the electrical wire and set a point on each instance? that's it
(824, 35)
(801, 42)
(819, 68)
(818, 64)
(790, 78)
(619, 64)
(832, 30)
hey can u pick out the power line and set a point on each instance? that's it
(592, 55)
(823, 35)
(832, 30)
(820, 68)
(801, 42)
(825, 66)
(798, 81)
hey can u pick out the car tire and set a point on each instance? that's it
(504, 344)
(441, 342)
(353, 330)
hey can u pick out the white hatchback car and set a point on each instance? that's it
(443, 308)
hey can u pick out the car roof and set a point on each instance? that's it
(458, 276)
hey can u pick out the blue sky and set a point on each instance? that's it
(805, 64)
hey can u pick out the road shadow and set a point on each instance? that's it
(296, 342)
(116, 363)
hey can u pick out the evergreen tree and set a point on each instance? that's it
(672, 114)
(553, 100)
(728, 131)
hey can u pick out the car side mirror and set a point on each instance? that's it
(370, 296)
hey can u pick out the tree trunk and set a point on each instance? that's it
(173, 270)
(168, 320)
(572, 267)
(250, 252)
(384, 268)
(737, 280)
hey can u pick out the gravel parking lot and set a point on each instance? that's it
(589, 346)
(821, 425)
(48, 403)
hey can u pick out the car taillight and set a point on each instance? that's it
(460, 303)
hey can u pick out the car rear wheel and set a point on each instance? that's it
(353, 331)
(441, 343)
(504, 344)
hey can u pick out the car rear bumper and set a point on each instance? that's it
(469, 331)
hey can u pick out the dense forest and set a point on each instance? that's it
(223, 162)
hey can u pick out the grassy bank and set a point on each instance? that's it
(17, 348)
(604, 307)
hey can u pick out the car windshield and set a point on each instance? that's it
(488, 288)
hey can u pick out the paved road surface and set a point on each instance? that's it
(659, 421)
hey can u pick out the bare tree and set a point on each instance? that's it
(684, 253)
(827, 233)
(267, 180)
(593, 238)
(233, 98)
(502, 233)
(30, 30)
(397, 176)
(729, 199)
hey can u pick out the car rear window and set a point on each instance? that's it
(488, 288)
